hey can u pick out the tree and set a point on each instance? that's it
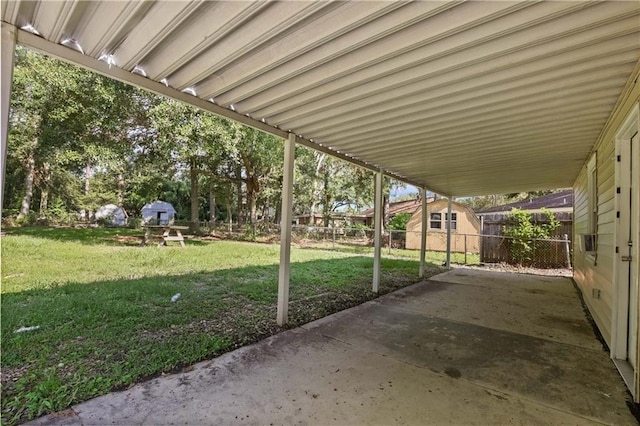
(330, 184)
(69, 124)
(399, 221)
(518, 196)
(481, 202)
(260, 157)
(194, 140)
(41, 125)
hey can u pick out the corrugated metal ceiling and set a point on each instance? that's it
(461, 97)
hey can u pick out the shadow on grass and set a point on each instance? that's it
(93, 236)
(102, 336)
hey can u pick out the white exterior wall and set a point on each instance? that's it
(597, 271)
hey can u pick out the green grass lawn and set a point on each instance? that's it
(106, 321)
(435, 257)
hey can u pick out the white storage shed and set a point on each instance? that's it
(158, 213)
(116, 215)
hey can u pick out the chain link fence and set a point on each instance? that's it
(468, 249)
(360, 239)
(535, 252)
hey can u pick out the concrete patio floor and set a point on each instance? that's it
(465, 347)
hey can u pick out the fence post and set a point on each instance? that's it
(465, 249)
(567, 251)
(481, 248)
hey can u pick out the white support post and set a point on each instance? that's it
(7, 52)
(377, 229)
(448, 263)
(423, 236)
(285, 230)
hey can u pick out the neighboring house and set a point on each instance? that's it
(465, 228)
(309, 219)
(607, 235)
(158, 213)
(560, 203)
(408, 206)
(112, 213)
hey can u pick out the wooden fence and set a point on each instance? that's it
(493, 224)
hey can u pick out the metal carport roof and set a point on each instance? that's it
(461, 97)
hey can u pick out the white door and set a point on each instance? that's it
(633, 243)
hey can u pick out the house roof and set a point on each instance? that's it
(558, 200)
(407, 206)
(463, 98)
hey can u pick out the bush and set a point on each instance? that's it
(29, 220)
(357, 230)
(523, 231)
(57, 213)
(399, 221)
(134, 222)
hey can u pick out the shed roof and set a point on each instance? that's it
(407, 206)
(463, 98)
(158, 206)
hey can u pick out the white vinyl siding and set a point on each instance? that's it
(596, 271)
(592, 194)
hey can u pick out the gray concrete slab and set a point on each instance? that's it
(547, 311)
(423, 355)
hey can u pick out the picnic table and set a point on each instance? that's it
(165, 231)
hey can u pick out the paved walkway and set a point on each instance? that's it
(466, 347)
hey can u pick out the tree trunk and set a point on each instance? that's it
(212, 206)
(120, 186)
(265, 212)
(326, 208)
(230, 217)
(253, 210)
(278, 209)
(252, 195)
(44, 192)
(194, 223)
(44, 200)
(386, 215)
(87, 180)
(28, 186)
(320, 158)
(239, 189)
